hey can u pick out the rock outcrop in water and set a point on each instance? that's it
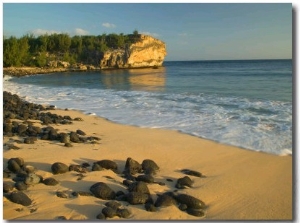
(146, 52)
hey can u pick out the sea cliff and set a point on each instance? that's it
(146, 52)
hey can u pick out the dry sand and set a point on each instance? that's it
(239, 184)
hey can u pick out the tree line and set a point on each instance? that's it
(30, 50)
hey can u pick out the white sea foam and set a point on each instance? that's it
(257, 125)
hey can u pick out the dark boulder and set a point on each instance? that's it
(195, 212)
(30, 140)
(100, 216)
(140, 187)
(64, 137)
(101, 190)
(50, 181)
(123, 213)
(74, 137)
(21, 186)
(109, 212)
(137, 198)
(80, 132)
(97, 167)
(7, 187)
(58, 168)
(192, 173)
(19, 198)
(132, 166)
(190, 201)
(184, 182)
(165, 200)
(108, 164)
(149, 166)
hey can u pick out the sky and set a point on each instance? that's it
(191, 31)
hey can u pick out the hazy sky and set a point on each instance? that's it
(192, 31)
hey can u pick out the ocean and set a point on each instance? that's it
(244, 103)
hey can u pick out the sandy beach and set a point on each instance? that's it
(239, 184)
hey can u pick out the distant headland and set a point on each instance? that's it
(61, 53)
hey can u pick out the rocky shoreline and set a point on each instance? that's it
(23, 71)
(20, 178)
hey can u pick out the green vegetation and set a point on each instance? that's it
(30, 50)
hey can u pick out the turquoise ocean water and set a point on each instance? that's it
(245, 103)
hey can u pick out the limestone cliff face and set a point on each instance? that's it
(146, 52)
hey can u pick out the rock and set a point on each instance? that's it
(101, 190)
(80, 132)
(108, 164)
(29, 169)
(100, 216)
(192, 173)
(123, 213)
(58, 168)
(113, 204)
(7, 187)
(64, 138)
(195, 212)
(61, 194)
(165, 200)
(32, 179)
(20, 198)
(77, 168)
(149, 166)
(53, 135)
(13, 147)
(74, 137)
(132, 167)
(109, 212)
(50, 181)
(184, 182)
(97, 167)
(137, 198)
(140, 187)
(21, 186)
(13, 166)
(68, 144)
(150, 207)
(145, 51)
(190, 201)
(145, 178)
(29, 140)
(21, 129)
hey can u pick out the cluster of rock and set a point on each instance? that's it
(146, 52)
(15, 108)
(136, 178)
